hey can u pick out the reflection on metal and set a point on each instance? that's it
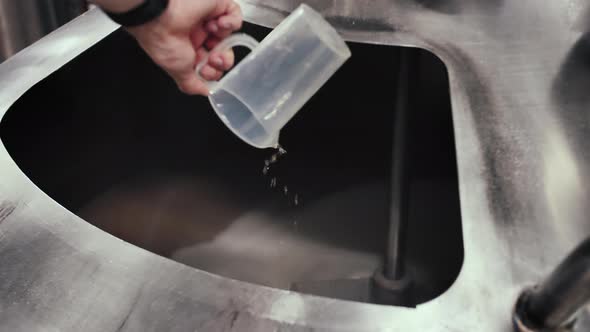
(23, 22)
(518, 72)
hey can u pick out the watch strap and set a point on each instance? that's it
(144, 13)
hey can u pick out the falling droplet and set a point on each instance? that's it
(273, 182)
(296, 200)
(285, 190)
(281, 151)
(265, 170)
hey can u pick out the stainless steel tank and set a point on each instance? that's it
(87, 118)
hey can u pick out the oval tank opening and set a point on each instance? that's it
(111, 138)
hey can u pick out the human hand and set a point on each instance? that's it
(183, 35)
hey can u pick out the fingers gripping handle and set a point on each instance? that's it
(228, 43)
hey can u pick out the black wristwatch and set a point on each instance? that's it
(147, 11)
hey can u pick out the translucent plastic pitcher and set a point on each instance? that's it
(265, 90)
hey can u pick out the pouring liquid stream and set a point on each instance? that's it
(278, 154)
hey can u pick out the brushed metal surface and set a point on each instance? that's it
(518, 78)
(24, 22)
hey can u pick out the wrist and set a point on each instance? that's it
(118, 6)
(147, 11)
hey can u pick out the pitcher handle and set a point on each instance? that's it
(239, 39)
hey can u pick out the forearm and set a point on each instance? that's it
(118, 6)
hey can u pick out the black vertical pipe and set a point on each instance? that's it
(554, 302)
(394, 268)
